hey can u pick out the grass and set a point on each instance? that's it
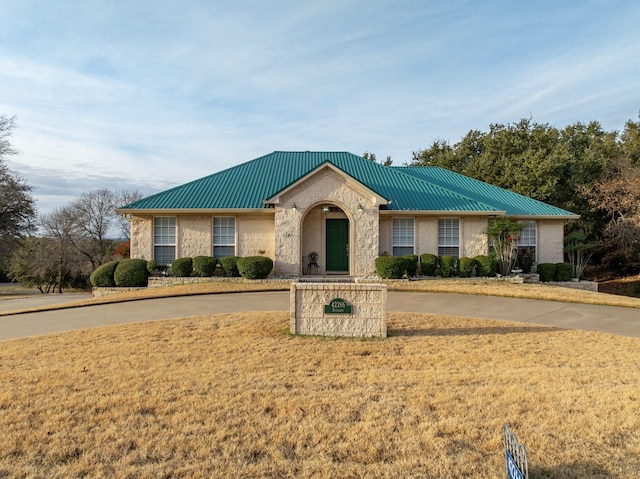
(235, 396)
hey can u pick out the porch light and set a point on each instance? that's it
(294, 207)
(325, 209)
(360, 208)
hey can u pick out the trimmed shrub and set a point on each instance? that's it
(102, 277)
(131, 273)
(255, 267)
(447, 266)
(182, 267)
(204, 266)
(152, 265)
(411, 263)
(546, 271)
(429, 264)
(391, 267)
(485, 266)
(229, 266)
(564, 271)
(466, 267)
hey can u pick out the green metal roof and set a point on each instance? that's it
(513, 203)
(249, 184)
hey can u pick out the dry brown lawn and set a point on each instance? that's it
(236, 396)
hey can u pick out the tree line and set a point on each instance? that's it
(581, 168)
(61, 248)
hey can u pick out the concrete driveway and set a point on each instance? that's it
(620, 321)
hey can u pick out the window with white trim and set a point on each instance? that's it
(164, 239)
(528, 240)
(403, 236)
(449, 237)
(224, 236)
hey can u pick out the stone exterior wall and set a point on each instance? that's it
(369, 309)
(142, 237)
(313, 237)
(427, 231)
(194, 236)
(256, 235)
(326, 187)
(474, 240)
(386, 232)
(550, 241)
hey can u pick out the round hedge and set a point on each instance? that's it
(131, 273)
(391, 267)
(255, 267)
(229, 266)
(465, 267)
(204, 266)
(546, 271)
(411, 262)
(429, 264)
(102, 277)
(564, 271)
(447, 266)
(485, 266)
(182, 267)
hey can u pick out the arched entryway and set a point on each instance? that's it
(327, 230)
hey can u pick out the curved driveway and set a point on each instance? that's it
(621, 321)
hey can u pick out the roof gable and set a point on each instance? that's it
(376, 198)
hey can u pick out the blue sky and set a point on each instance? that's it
(150, 94)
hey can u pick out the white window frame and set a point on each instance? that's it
(164, 239)
(403, 236)
(529, 238)
(448, 242)
(225, 241)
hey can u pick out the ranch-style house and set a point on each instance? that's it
(347, 209)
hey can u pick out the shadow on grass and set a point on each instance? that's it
(578, 470)
(472, 331)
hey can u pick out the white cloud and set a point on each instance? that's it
(162, 93)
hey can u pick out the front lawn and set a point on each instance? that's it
(236, 396)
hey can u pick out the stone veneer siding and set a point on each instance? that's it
(550, 241)
(369, 309)
(330, 188)
(194, 236)
(141, 230)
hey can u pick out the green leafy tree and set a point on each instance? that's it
(372, 157)
(558, 166)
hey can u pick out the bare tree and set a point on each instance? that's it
(124, 197)
(60, 227)
(95, 222)
(17, 207)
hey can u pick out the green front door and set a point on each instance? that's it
(337, 245)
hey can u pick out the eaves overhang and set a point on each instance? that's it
(546, 217)
(181, 211)
(441, 213)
